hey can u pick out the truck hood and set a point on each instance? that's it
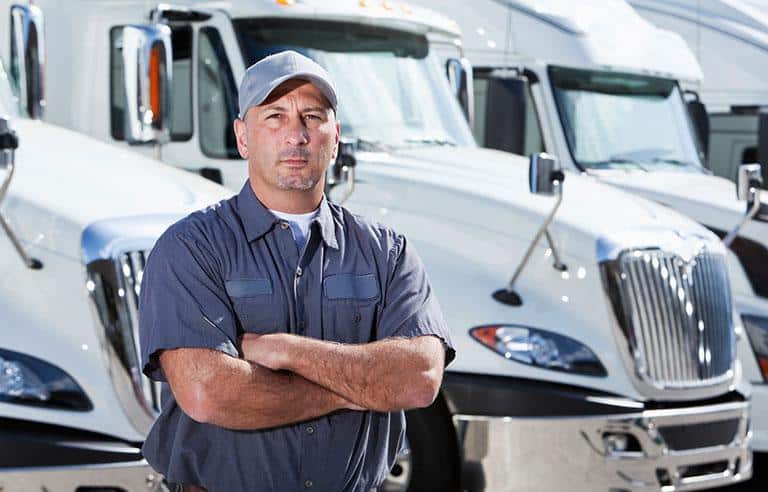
(471, 216)
(711, 200)
(65, 181)
(589, 208)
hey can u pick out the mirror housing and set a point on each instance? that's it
(146, 51)
(748, 184)
(749, 179)
(461, 80)
(762, 140)
(505, 113)
(545, 177)
(28, 58)
(700, 119)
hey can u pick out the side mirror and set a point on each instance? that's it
(748, 184)
(762, 140)
(461, 81)
(545, 177)
(147, 60)
(342, 171)
(505, 112)
(9, 142)
(28, 58)
(700, 119)
(750, 179)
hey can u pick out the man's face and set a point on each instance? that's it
(290, 139)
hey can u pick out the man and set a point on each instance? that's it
(291, 332)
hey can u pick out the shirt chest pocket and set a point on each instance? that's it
(258, 308)
(350, 307)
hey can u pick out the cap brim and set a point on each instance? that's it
(318, 82)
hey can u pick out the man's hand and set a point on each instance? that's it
(271, 351)
(387, 375)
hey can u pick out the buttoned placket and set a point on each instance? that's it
(304, 276)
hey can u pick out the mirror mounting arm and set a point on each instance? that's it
(749, 183)
(754, 208)
(542, 230)
(8, 144)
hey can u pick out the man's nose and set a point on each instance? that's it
(296, 132)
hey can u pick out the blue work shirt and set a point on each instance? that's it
(234, 268)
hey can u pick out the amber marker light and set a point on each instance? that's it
(155, 99)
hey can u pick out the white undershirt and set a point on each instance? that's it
(299, 225)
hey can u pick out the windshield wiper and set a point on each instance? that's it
(616, 160)
(674, 162)
(431, 141)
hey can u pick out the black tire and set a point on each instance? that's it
(434, 453)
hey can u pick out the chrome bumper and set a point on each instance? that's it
(571, 453)
(134, 476)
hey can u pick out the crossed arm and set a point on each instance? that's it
(284, 379)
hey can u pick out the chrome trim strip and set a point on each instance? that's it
(114, 253)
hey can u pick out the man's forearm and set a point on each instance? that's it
(386, 375)
(240, 394)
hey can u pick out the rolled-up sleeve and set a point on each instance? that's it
(183, 303)
(410, 307)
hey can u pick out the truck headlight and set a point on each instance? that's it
(30, 381)
(757, 331)
(539, 348)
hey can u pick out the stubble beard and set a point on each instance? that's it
(297, 183)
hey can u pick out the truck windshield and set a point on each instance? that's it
(618, 120)
(392, 92)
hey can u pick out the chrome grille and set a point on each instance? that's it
(676, 315)
(115, 285)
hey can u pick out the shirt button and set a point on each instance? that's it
(302, 324)
(308, 483)
(299, 272)
(310, 430)
(284, 225)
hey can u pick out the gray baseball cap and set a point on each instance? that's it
(267, 74)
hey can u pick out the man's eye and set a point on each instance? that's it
(312, 117)
(273, 116)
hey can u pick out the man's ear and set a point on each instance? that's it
(338, 137)
(241, 137)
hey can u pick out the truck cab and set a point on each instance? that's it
(611, 95)
(730, 42)
(555, 317)
(77, 217)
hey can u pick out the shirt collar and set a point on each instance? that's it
(258, 220)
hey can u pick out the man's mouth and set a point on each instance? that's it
(294, 162)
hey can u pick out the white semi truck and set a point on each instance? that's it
(606, 363)
(604, 89)
(730, 41)
(76, 216)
